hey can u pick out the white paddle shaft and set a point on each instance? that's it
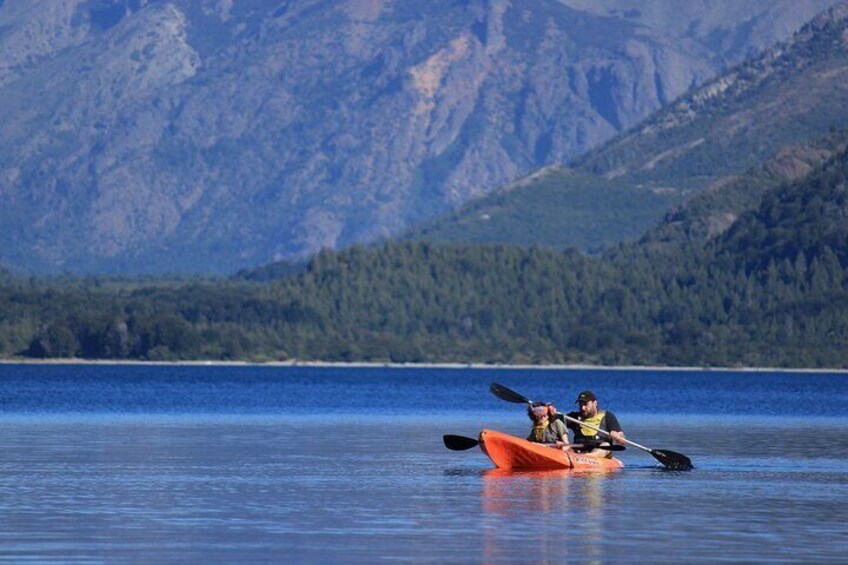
(606, 433)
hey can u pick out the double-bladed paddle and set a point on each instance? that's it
(670, 459)
(461, 443)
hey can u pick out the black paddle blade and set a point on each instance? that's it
(672, 460)
(505, 394)
(459, 443)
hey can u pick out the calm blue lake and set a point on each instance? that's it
(114, 464)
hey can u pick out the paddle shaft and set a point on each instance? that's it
(606, 433)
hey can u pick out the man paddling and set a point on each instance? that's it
(588, 412)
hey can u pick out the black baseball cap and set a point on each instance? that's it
(585, 396)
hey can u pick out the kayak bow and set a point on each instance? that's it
(510, 452)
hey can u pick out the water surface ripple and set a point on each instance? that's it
(243, 464)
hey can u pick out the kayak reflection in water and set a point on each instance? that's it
(604, 419)
(546, 427)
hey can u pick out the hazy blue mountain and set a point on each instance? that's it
(208, 135)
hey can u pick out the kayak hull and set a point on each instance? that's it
(510, 452)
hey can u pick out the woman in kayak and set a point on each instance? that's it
(588, 412)
(546, 429)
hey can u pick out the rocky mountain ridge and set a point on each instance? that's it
(768, 120)
(791, 91)
(181, 136)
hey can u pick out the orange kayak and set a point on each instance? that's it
(510, 452)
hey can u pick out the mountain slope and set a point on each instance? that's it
(556, 207)
(712, 211)
(792, 95)
(156, 135)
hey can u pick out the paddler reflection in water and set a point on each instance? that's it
(604, 419)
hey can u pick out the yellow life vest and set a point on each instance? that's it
(595, 421)
(539, 430)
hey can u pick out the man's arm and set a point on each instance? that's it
(613, 427)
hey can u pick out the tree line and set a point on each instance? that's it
(417, 302)
(770, 292)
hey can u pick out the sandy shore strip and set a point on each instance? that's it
(388, 365)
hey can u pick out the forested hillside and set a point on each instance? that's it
(770, 291)
(555, 207)
(712, 211)
(748, 267)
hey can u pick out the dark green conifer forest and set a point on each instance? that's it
(771, 291)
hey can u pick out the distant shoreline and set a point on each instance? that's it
(388, 365)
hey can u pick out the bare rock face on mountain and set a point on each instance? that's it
(691, 169)
(201, 136)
